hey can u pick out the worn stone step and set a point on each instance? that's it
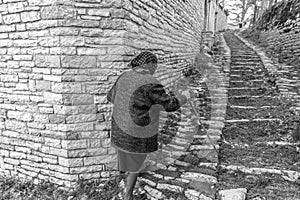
(234, 112)
(246, 91)
(252, 83)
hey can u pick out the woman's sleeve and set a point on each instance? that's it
(170, 103)
(111, 94)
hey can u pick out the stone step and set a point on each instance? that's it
(288, 175)
(252, 83)
(251, 120)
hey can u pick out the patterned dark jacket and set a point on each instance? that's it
(138, 98)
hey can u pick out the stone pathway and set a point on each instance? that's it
(255, 161)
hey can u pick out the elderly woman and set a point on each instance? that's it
(138, 98)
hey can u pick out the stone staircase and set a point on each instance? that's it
(255, 161)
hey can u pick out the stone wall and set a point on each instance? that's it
(58, 59)
(217, 17)
(283, 45)
(278, 30)
(221, 19)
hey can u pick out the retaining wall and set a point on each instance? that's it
(278, 30)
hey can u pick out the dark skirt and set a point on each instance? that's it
(131, 162)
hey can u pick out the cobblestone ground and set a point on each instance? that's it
(257, 156)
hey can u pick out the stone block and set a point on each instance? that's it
(11, 18)
(59, 168)
(16, 126)
(86, 126)
(111, 40)
(197, 176)
(3, 36)
(87, 109)
(47, 61)
(70, 162)
(11, 161)
(65, 110)
(78, 62)
(99, 12)
(63, 50)
(78, 99)
(44, 110)
(40, 25)
(4, 153)
(113, 24)
(34, 158)
(30, 16)
(94, 134)
(88, 169)
(90, 176)
(81, 118)
(17, 155)
(57, 119)
(96, 89)
(65, 88)
(97, 160)
(36, 125)
(78, 23)
(16, 7)
(233, 194)
(156, 194)
(42, 85)
(49, 41)
(87, 152)
(21, 116)
(67, 31)
(1, 163)
(54, 98)
(22, 57)
(20, 27)
(74, 144)
(174, 188)
(91, 32)
(23, 149)
(91, 51)
(52, 78)
(52, 142)
(50, 160)
(71, 41)
(9, 78)
(57, 12)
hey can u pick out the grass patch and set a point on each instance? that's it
(13, 188)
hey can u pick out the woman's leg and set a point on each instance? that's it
(130, 183)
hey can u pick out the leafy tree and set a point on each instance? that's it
(240, 11)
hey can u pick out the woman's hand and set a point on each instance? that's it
(187, 94)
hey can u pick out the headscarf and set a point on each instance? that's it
(143, 58)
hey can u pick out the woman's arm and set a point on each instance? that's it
(170, 103)
(111, 94)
